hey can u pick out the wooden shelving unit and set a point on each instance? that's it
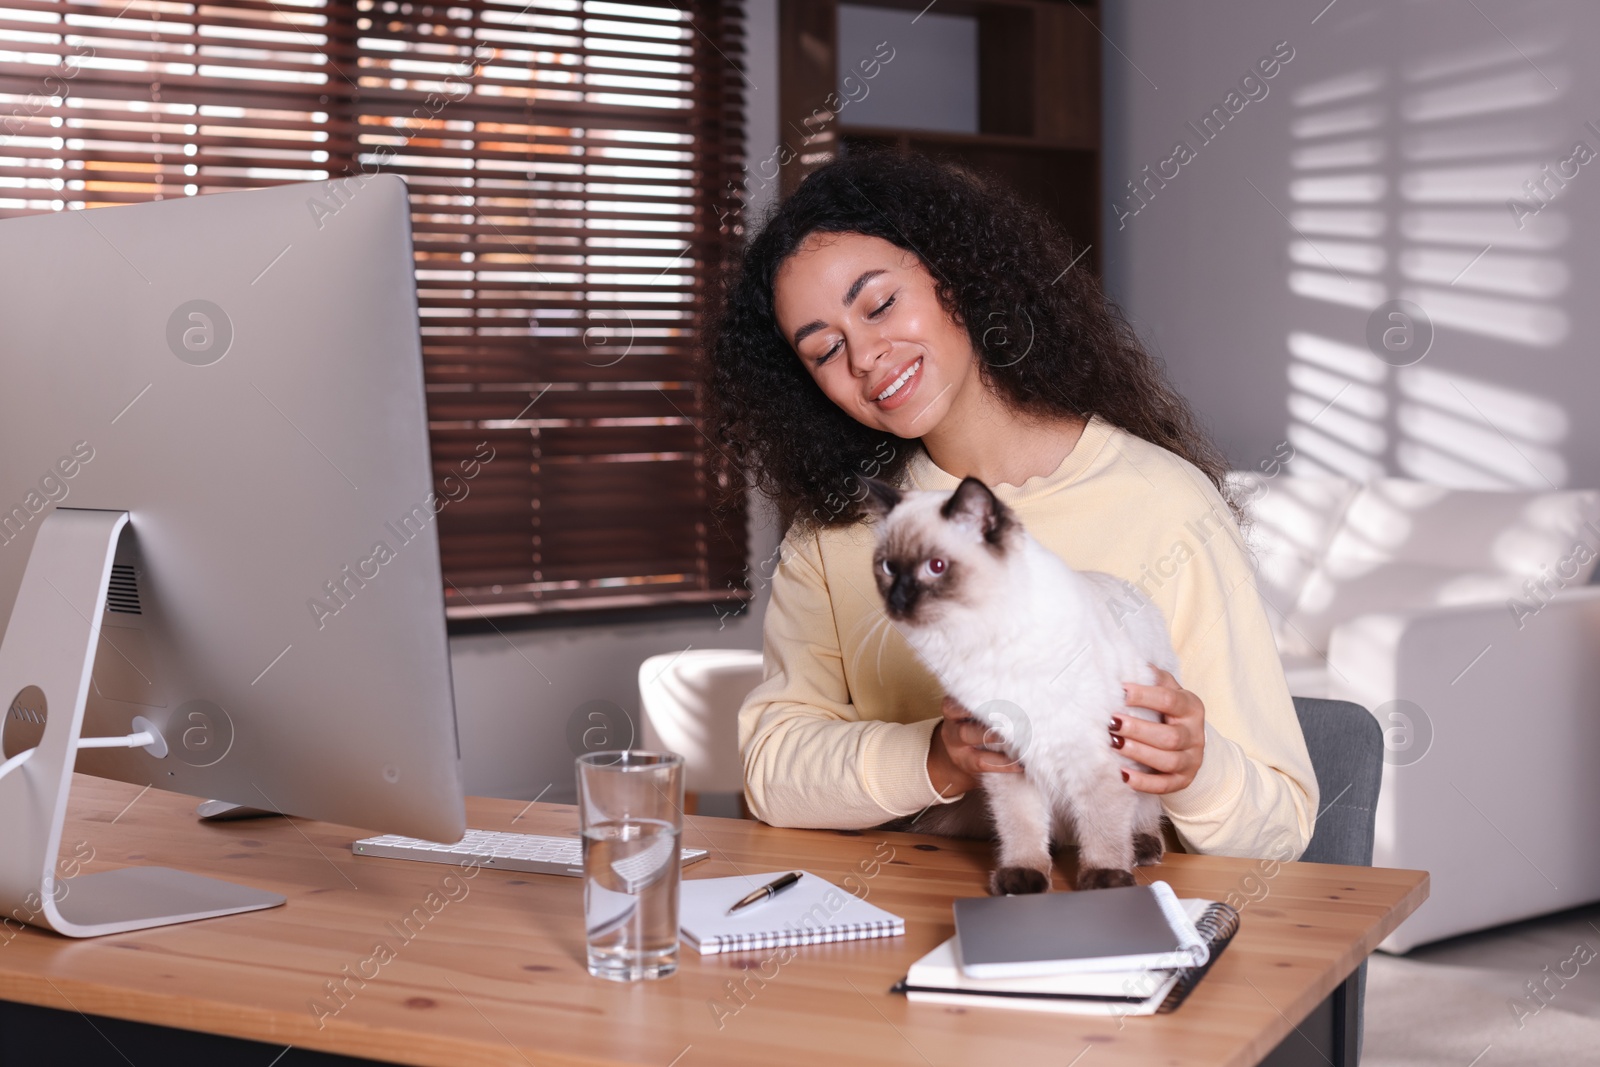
(1038, 101)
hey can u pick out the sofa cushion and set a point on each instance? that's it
(1393, 520)
(1307, 676)
(1343, 588)
(1292, 522)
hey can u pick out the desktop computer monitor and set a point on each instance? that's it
(218, 541)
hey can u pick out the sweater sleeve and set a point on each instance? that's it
(1256, 791)
(810, 760)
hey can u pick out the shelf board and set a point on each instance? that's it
(977, 140)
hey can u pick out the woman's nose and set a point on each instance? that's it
(866, 353)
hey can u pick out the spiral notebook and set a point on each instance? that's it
(811, 912)
(938, 977)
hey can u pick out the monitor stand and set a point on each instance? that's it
(50, 644)
(224, 811)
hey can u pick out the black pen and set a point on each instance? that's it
(767, 892)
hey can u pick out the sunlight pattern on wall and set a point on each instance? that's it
(1405, 181)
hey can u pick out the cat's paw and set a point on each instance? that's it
(1017, 880)
(1103, 878)
(1148, 849)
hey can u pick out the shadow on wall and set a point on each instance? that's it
(1426, 227)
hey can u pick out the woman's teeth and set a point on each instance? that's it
(894, 386)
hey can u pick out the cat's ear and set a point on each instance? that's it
(881, 497)
(975, 506)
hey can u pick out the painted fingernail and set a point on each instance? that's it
(1124, 776)
(1116, 742)
(1116, 722)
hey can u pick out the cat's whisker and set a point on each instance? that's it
(866, 638)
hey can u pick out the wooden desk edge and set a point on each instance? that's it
(1415, 897)
(349, 1037)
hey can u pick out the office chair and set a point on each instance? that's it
(1346, 746)
(690, 701)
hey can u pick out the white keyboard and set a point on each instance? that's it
(533, 853)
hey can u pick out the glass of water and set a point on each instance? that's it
(630, 806)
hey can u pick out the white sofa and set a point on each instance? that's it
(1464, 621)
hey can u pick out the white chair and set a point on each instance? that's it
(1464, 622)
(690, 702)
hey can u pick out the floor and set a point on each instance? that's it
(1465, 1002)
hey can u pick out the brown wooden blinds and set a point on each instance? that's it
(567, 161)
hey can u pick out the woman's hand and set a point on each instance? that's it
(1171, 748)
(956, 756)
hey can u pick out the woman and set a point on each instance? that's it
(903, 319)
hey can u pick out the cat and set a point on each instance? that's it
(1037, 652)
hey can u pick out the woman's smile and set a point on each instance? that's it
(900, 388)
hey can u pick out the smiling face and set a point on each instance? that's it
(863, 316)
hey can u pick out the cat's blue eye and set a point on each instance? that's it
(884, 565)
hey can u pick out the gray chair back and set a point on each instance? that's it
(1346, 747)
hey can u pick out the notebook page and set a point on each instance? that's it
(811, 911)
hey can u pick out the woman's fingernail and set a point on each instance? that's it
(1124, 776)
(1116, 722)
(1116, 742)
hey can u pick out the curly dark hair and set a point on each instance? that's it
(1049, 341)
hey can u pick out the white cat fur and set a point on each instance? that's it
(1058, 644)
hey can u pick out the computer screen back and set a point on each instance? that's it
(242, 373)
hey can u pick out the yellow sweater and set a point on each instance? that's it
(837, 734)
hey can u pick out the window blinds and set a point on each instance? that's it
(569, 164)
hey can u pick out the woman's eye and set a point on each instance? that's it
(881, 308)
(820, 360)
(935, 566)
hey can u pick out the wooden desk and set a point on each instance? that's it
(497, 976)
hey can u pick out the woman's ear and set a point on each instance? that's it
(881, 497)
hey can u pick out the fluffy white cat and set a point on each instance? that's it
(1037, 652)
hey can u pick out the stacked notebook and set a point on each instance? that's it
(811, 912)
(1137, 950)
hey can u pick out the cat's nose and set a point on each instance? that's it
(902, 595)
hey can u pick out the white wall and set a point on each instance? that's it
(517, 692)
(1378, 166)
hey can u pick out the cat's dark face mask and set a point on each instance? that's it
(902, 591)
(919, 566)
